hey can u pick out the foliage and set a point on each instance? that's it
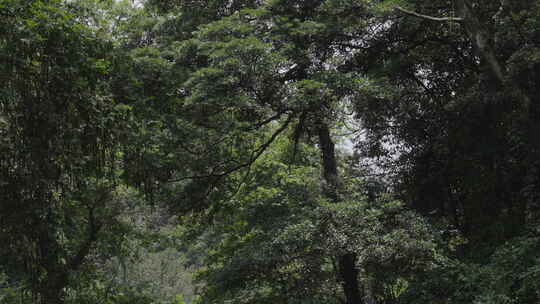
(116, 116)
(59, 145)
(279, 239)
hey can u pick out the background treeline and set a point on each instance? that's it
(269, 151)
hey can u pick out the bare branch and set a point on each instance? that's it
(437, 19)
(255, 154)
(267, 121)
(260, 150)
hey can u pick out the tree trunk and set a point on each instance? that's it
(52, 295)
(346, 263)
(480, 40)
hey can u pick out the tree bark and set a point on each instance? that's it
(346, 263)
(330, 172)
(53, 291)
(480, 40)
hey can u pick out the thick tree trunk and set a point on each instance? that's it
(55, 276)
(346, 263)
(349, 275)
(52, 295)
(330, 172)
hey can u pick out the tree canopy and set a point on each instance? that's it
(269, 151)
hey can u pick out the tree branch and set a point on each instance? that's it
(265, 122)
(255, 154)
(94, 227)
(431, 18)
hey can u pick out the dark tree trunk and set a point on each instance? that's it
(52, 295)
(346, 263)
(349, 275)
(51, 286)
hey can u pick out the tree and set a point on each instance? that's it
(423, 79)
(245, 80)
(463, 122)
(229, 112)
(460, 114)
(279, 239)
(59, 146)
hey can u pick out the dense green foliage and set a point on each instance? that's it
(269, 151)
(59, 144)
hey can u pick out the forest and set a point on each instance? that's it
(269, 151)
